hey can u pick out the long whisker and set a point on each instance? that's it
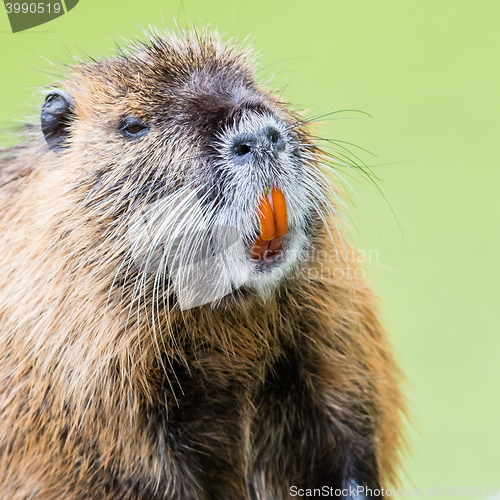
(312, 119)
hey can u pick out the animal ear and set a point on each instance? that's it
(57, 114)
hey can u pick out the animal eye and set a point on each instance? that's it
(133, 127)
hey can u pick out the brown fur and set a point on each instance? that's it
(87, 391)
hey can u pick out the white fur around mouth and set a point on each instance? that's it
(163, 241)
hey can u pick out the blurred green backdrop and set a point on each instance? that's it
(428, 72)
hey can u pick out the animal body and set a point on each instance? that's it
(132, 369)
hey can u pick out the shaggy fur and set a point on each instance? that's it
(108, 390)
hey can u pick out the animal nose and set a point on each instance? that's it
(246, 146)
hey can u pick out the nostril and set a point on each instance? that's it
(242, 145)
(241, 149)
(275, 138)
(273, 135)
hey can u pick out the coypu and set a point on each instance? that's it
(126, 373)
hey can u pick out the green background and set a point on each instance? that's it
(428, 73)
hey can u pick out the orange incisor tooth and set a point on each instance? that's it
(266, 217)
(280, 215)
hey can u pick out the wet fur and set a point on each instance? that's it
(100, 398)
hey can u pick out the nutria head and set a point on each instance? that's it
(189, 165)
